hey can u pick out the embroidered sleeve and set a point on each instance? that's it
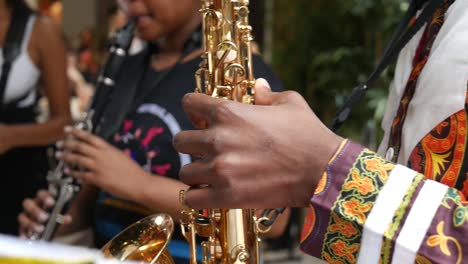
(368, 210)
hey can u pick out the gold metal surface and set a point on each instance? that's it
(145, 241)
(230, 236)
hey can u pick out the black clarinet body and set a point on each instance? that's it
(64, 187)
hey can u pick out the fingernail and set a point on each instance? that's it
(39, 228)
(68, 129)
(49, 202)
(58, 154)
(59, 144)
(263, 82)
(43, 216)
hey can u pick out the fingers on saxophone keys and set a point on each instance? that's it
(202, 198)
(202, 143)
(203, 110)
(195, 173)
(193, 142)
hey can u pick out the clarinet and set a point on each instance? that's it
(64, 187)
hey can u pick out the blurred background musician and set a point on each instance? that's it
(40, 62)
(134, 171)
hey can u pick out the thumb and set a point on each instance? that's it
(263, 93)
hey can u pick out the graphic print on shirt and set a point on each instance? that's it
(147, 139)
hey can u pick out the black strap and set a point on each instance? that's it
(401, 37)
(12, 45)
(126, 99)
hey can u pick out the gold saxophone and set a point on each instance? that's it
(229, 235)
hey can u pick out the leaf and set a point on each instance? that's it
(460, 215)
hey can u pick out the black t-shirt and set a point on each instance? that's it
(146, 136)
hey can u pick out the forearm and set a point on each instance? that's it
(368, 210)
(37, 134)
(160, 194)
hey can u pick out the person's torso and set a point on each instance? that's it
(24, 74)
(146, 136)
(427, 105)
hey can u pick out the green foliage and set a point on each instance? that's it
(323, 48)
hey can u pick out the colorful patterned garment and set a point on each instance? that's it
(419, 62)
(369, 210)
(440, 154)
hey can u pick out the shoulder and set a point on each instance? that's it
(45, 25)
(46, 32)
(263, 70)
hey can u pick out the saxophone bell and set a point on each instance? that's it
(145, 240)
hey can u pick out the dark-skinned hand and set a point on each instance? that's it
(267, 155)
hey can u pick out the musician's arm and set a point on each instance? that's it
(368, 210)
(49, 51)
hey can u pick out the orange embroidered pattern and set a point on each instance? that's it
(363, 185)
(340, 248)
(440, 155)
(364, 181)
(311, 218)
(346, 228)
(309, 223)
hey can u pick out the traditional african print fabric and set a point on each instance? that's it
(429, 84)
(440, 154)
(369, 210)
(419, 62)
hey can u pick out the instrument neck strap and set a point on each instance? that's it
(406, 30)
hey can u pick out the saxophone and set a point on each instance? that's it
(230, 235)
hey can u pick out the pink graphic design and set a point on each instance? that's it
(161, 169)
(152, 132)
(136, 142)
(138, 133)
(127, 125)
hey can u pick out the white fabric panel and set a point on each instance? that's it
(381, 215)
(418, 221)
(441, 85)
